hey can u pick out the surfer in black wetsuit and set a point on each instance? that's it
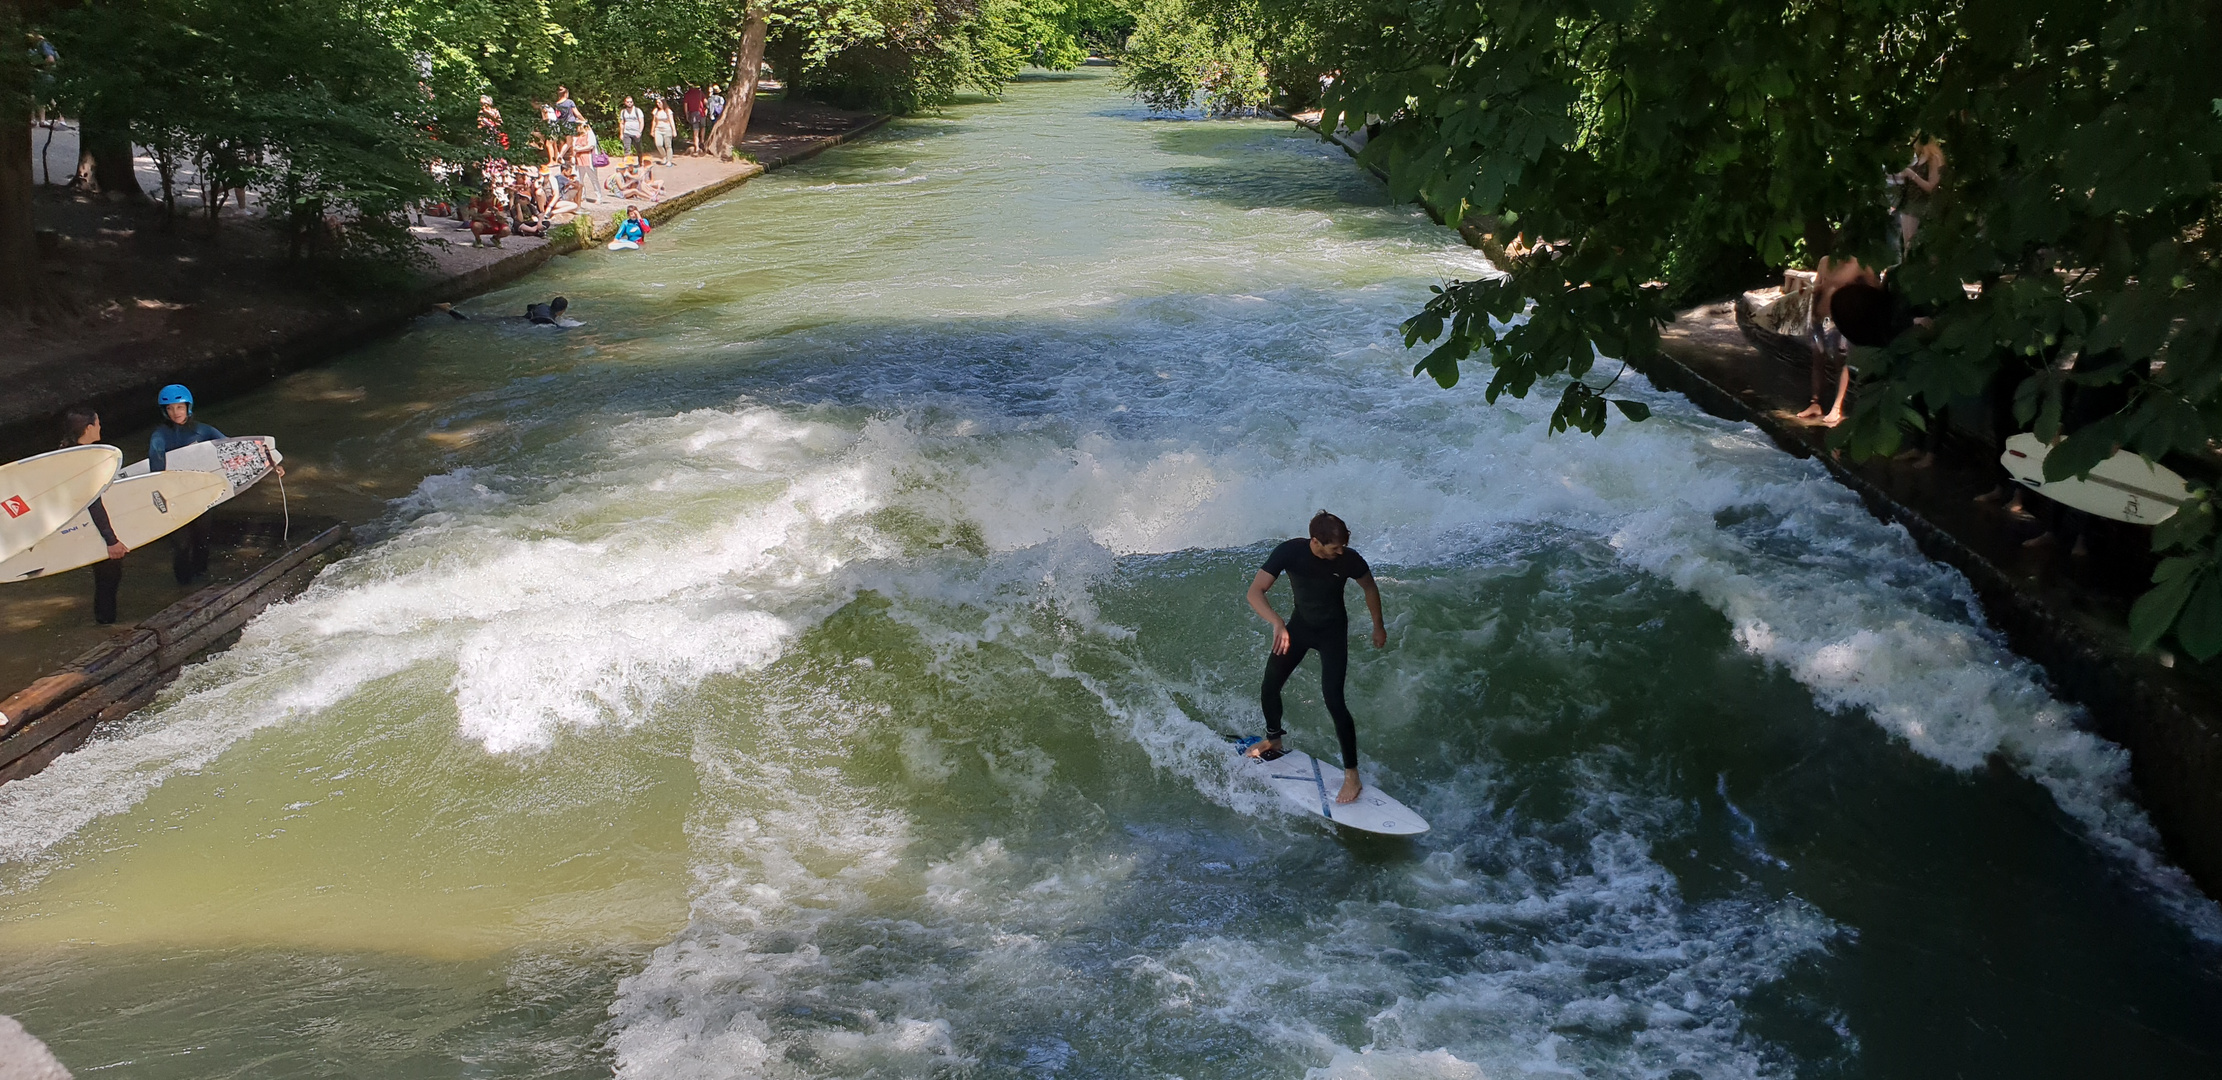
(82, 428)
(1317, 567)
(548, 314)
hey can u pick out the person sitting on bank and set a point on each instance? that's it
(637, 182)
(82, 428)
(530, 221)
(487, 218)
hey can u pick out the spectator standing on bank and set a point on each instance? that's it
(717, 104)
(552, 139)
(630, 123)
(665, 128)
(698, 118)
(1917, 193)
(583, 148)
(82, 428)
(489, 122)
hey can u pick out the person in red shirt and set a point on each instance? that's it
(697, 105)
(487, 217)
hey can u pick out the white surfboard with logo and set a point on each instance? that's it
(141, 510)
(1311, 786)
(2124, 487)
(39, 494)
(241, 460)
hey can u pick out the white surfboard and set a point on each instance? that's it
(141, 510)
(39, 494)
(2124, 487)
(241, 461)
(1311, 786)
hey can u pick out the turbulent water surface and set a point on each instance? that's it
(817, 665)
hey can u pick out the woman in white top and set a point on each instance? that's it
(666, 128)
(629, 123)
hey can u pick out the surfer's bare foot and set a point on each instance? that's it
(1832, 419)
(2039, 540)
(1811, 412)
(1350, 787)
(1994, 495)
(1265, 749)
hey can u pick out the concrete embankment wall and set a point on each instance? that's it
(59, 712)
(2169, 719)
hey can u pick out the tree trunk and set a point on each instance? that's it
(19, 253)
(113, 171)
(740, 99)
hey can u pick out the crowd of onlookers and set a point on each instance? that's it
(579, 169)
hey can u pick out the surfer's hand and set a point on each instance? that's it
(1380, 636)
(1280, 638)
(117, 550)
(279, 469)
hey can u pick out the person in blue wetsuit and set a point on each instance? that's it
(1318, 567)
(81, 427)
(189, 544)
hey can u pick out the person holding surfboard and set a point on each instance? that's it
(81, 427)
(1318, 567)
(178, 429)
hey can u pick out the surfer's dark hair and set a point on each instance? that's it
(1329, 529)
(74, 423)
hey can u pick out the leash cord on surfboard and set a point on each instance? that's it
(285, 504)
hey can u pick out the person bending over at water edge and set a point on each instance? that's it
(1317, 567)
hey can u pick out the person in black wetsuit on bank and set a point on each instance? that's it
(81, 427)
(1318, 567)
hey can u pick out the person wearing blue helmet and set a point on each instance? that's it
(189, 544)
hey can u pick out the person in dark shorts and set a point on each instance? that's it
(1318, 567)
(82, 428)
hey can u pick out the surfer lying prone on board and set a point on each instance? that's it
(1318, 567)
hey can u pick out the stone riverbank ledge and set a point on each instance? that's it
(2069, 615)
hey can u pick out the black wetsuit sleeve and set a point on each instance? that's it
(1276, 564)
(1364, 570)
(100, 521)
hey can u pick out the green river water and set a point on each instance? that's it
(816, 665)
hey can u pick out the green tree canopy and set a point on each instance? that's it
(1619, 159)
